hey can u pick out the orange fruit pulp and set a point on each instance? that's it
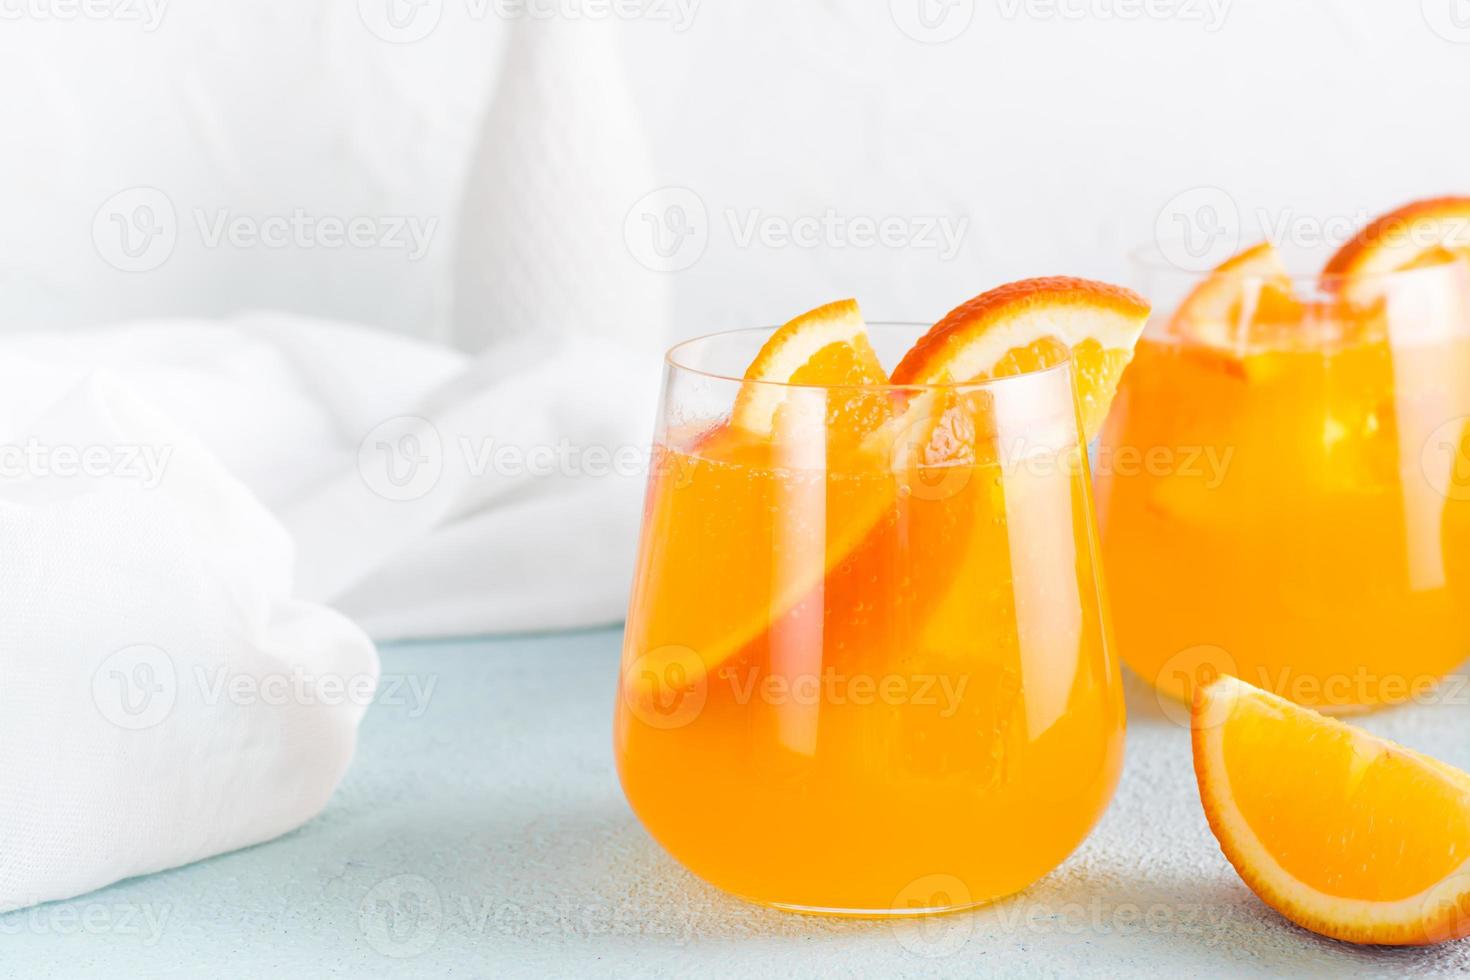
(1346, 834)
(873, 677)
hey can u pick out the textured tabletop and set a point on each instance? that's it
(481, 832)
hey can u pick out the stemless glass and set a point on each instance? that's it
(1285, 498)
(867, 682)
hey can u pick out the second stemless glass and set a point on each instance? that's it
(1289, 502)
(866, 683)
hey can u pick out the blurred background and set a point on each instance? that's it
(737, 162)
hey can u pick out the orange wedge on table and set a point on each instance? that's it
(1345, 834)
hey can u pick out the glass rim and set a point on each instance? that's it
(1151, 256)
(673, 361)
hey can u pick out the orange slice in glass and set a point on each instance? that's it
(1245, 297)
(826, 349)
(1346, 834)
(1416, 236)
(1033, 324)
(780, 493)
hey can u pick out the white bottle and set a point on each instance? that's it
(561, 160)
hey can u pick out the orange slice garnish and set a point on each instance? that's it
(1034, 324)
(795, 437)
(1416, 236)
(1346, 834)
(1245, 296)
(826, 348)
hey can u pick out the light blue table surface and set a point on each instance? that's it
(481, 832)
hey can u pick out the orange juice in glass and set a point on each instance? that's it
(1284, 485)
(867, 668)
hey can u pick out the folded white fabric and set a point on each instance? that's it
(163, 696)
(169, 688)
(426, 493)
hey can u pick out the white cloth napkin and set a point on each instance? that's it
(170, 686)
(163, 697)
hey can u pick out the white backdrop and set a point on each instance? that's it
(1042, 136)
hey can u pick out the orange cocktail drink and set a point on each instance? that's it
(867, 667)
(1284, 485)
